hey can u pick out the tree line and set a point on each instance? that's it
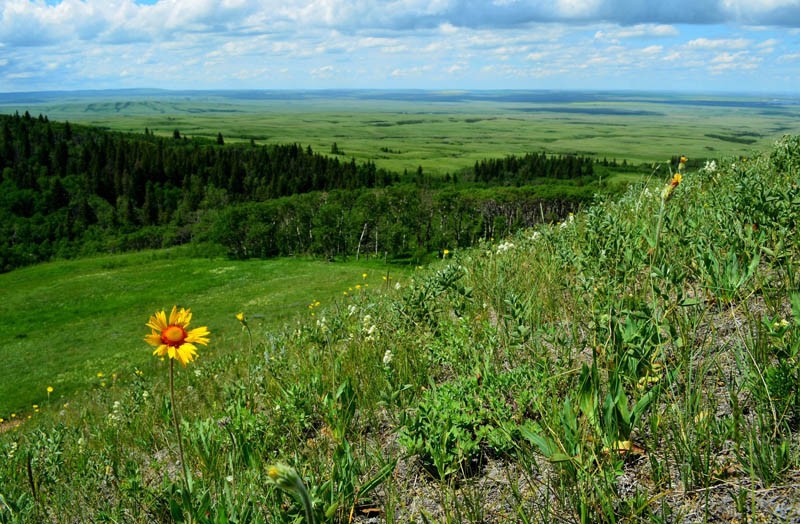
(68, 190)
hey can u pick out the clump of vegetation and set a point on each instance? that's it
(68, 191)
(637, 361)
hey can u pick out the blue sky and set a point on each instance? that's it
(683, 45)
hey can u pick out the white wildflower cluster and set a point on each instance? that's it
(397, 286)
(534, 236)
(505, 246)
(12, 448)
(570, 219)
(115, 416)
(644, 197)
(369, 329)
(351, 310)
(710, 167)
(387, 357)
(322, 324)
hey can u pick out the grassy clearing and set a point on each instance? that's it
(63, 323)
(636, 363)
(444, 134)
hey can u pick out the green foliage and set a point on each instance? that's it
(85, 190)
(637, 361)
(456, 425)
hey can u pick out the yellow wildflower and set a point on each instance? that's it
(171, 338)
(676, 180)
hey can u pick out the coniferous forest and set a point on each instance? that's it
(69, 190)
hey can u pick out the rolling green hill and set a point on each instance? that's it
(62, 323)
(636, 362)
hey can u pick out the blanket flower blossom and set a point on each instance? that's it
(171, 338)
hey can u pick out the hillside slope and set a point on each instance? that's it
(638, 361)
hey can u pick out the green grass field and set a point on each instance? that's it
(444, 132)
(62, 323)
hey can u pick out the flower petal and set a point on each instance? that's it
(198, 335)
(158, 321)
(186, 317)
(154, 338)
(186, 353)
(173, 316)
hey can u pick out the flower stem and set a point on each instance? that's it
(658, 229)
(178, 434)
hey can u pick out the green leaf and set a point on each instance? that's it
(379, 477)
(795, 299)
(545, 444)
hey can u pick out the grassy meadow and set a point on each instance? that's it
(638, 362)
(447, 130)
(63, 323)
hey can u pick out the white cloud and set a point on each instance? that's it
(576, 8)
(638, 31)
(251, 43)
(455, 68)
(323, 72)
(717, 43)
(412, 71)
(27, 22)
(535, 57)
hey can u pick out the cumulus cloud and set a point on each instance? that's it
(28, 23)
(717, 43)
(638, 31)
(252, 43)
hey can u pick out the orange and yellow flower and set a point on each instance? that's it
(171, 338)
